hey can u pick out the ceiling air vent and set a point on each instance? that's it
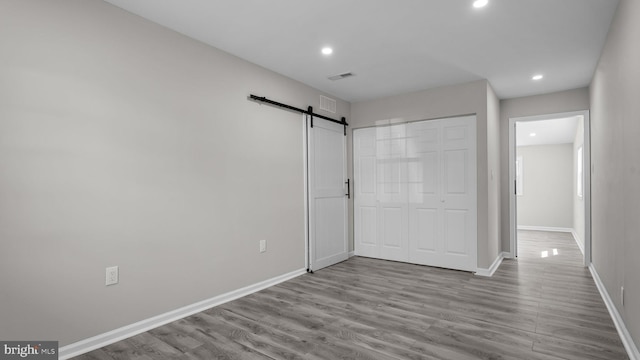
(327, 104)
(341, 76)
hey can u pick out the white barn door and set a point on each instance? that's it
(327, 177)
(415, 193)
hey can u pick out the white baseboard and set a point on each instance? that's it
(578, 240)
(625, 336)
(545, 228)
(492, 269)
(127, 331)
(352, 254)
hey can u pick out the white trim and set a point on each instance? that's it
(545, 228)
(492, 269)
(513, 198)
(98, 341)
(587, 188)
(578, 240)
(625, 336)
(352, 254)
(305, 164)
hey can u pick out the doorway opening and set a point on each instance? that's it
(550, 178)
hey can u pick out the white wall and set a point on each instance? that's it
(578, 202)
(554, 103)
(471, 98)
(547, 199)
(124, 143)
(615, 149)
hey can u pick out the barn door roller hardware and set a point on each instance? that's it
(309, 111)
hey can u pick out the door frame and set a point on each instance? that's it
(513, 224)
(305, 171)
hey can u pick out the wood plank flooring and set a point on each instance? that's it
(544, 308)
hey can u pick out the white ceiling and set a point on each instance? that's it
(399, 46)
(548, 132)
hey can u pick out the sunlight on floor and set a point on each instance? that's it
(545, 253)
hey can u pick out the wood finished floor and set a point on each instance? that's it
(534, 308)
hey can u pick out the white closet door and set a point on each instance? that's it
(415, 192)
(380, 193)
(365, 208)
(327, 194)
(459, 193)
(392, 205)
(424, 154)
(443, 216)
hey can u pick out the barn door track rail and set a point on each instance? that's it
(309, 111)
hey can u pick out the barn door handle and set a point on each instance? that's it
(348, 182)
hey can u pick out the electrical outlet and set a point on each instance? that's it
(622, 295)
(112, 275)
(263, 246)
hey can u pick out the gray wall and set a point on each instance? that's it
(464, 99)
(547, 197)
(578, 203)
(553, 103)
(615, 149)
(124, 143)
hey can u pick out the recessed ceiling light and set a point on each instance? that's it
(532, 134)
(537, 77)
(327, 50)
(480, 3)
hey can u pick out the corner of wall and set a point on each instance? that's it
(493, 163)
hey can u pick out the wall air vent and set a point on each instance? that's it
(341, 76)
(327, 104)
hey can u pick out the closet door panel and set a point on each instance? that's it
(365, 193)
(392, 229)
(455, 224)
(455, 166)
(458, 193)
(425, 226)
(392, 192)
(423, 156)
